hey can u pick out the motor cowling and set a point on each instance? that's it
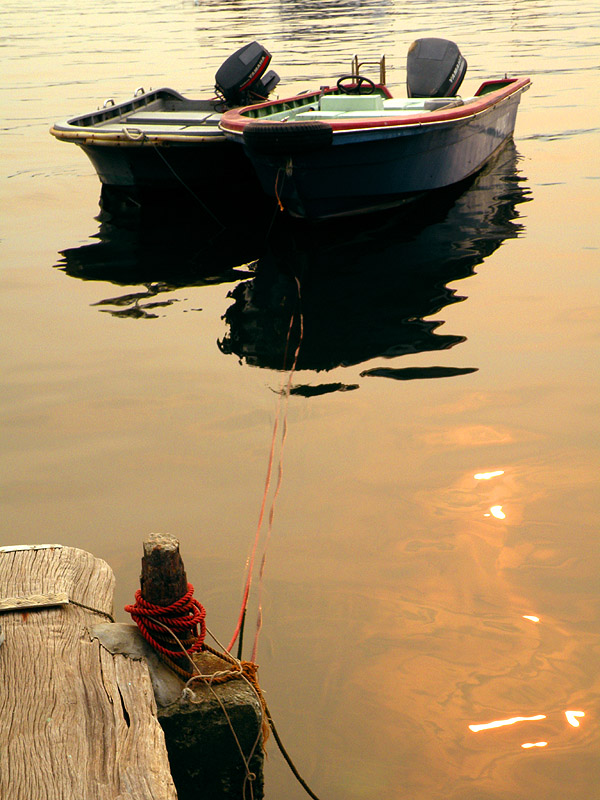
(434, 68)
(242, 79)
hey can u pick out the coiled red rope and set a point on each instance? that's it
(184, 618)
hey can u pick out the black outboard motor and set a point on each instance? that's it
(434, 68)
(241, 79)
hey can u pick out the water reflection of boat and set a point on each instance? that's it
(370, 292)
(161, 248)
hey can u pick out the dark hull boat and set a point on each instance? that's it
(354, 148)
(163, 140)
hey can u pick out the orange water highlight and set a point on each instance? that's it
(499, 723)
(572, 717)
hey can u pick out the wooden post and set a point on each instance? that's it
(163, 579)
(203, 752)
(163, 582)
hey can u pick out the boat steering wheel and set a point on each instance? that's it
(358, 81)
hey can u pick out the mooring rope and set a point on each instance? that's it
(251, 679)
(186, 187)
(283, 401)
(244, 670)
(279, 203)
(267, 714)
(184, 616)
(186, 613)
(250, 560)
(91, 608)
(285, 396)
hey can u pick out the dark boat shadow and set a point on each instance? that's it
(164, 242)
(368, 288)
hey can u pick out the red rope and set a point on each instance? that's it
(182, 617)
(283, 398)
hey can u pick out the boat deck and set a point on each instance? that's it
(334, 106)
(162, 113)
(155, 123)
(179, 117)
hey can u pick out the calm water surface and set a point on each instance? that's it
(434, 557)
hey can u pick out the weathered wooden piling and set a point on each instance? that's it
(163, 579)
(76, 720)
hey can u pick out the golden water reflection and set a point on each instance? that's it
(496, 511)
(572, 717)
(449, 642)
(499, 723)
(486, 476)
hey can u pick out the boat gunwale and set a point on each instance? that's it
(235, 120)
(139, 134)
(84, 137)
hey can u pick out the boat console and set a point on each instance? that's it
(434, 68)
(242, 79)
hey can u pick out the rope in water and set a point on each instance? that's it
(186, 187)
(186, 613)
(283, 401)
(284, 396)
(185, 616)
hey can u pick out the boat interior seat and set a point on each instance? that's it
(373, 105)
(332, 106)
(351, 102)
(421, 103)
(313, 113)
(180, 117)
(409, 112)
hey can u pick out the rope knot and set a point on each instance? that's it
(163, 625)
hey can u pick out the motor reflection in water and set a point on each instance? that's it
(368, 287)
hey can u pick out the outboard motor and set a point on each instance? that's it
(241, 79)
(434, 68)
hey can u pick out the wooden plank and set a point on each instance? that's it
(33, 601)
(76, 721)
